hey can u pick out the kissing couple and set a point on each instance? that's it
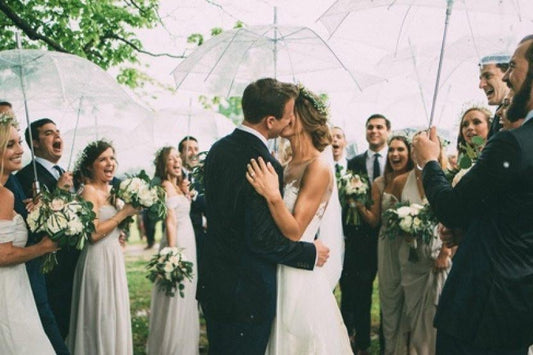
(261, 283)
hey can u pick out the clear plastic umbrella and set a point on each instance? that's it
(390, 24)
(40, 82)
(226, 63)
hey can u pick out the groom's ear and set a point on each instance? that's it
(269, 122)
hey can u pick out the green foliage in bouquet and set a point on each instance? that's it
(468, 157)
(66, 218)
(169, 269)
(410, 220)
(142, 192)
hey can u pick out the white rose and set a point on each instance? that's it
(56, 223)
(161, 259)
(168, 268)
(146, 197)
(174, 260)
(417, 222)
(57, 204)
(33, 219)
(403, 211)
(74, 207)
(405, 224)
(75, 227)
(165, 251)
(415, 208)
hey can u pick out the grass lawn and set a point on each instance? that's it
(140, 289)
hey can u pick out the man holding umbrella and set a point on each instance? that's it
(485, 306)
(56, 292)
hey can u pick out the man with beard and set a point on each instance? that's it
(485, 306)
(360, 257)
(55, 292)
(491, 70)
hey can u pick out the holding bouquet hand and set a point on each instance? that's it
(354, 189)
(412, 220)
(142, 192)
(169, 268)
(65, 218)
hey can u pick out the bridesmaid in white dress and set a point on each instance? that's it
(174, 321)
(21, 331)
(308, 320)
(100, 321)
(384, 191)
(422, 280)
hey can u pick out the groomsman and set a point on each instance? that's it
(188, 148)
(491, 71)
(485, 305)
(360, 259)
(339, 149)
(53, 292)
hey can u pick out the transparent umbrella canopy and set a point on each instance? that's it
(393, 24)
(226, 63)
(64, 87)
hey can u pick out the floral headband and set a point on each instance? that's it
(316, 101)
(8, 119)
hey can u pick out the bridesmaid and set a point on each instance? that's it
(21, 331)
(422, 280)
(174, 322)
(100, 321)
(384, 188)
(475, 121)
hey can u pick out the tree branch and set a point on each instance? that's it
(132, 45)
(27, 29)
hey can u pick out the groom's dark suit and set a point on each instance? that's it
(487, 301)
(56, 294)
(359, 270)
(237, 280)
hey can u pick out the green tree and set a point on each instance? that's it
(103, 31)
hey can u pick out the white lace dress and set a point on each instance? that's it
(308, 320)
(21, 331)
(174, 322)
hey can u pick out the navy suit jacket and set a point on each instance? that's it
(487, 299)
(237, 277)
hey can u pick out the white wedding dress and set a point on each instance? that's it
(308, 320)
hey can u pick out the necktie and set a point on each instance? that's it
(338, 168)
(376, 171)
(58, 169)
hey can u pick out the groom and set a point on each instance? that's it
(237, 279)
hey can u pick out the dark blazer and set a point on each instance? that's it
(237, 280)
(487, 299)
(13, 185)
(59, 282)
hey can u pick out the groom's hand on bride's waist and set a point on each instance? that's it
(322, 253)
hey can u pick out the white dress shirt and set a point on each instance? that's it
(528, 117)
(48, 165)
(255, 133)
(370, 162)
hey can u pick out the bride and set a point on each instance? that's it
(308, 320)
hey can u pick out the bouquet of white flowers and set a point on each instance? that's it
(66, 218)
(140, 191)
(411, 220)
(169, 269)
(353, 188)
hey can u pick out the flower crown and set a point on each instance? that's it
(316, 101)
(8, 119)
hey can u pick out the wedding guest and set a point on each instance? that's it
(188, 150)
(339, 149)
(53, 291)
(174, 322)
(475, 121)
(491, 71)
(360, 260)
(492, 269)
(100, 313)
(21, 330)
(384, 191)
(422, 278)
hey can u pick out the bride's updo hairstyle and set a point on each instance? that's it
(313, 114)
(86, 159)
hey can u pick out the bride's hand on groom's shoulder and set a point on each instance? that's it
(322, 252)
(264, 179)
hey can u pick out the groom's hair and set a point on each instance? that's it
(266, 97)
